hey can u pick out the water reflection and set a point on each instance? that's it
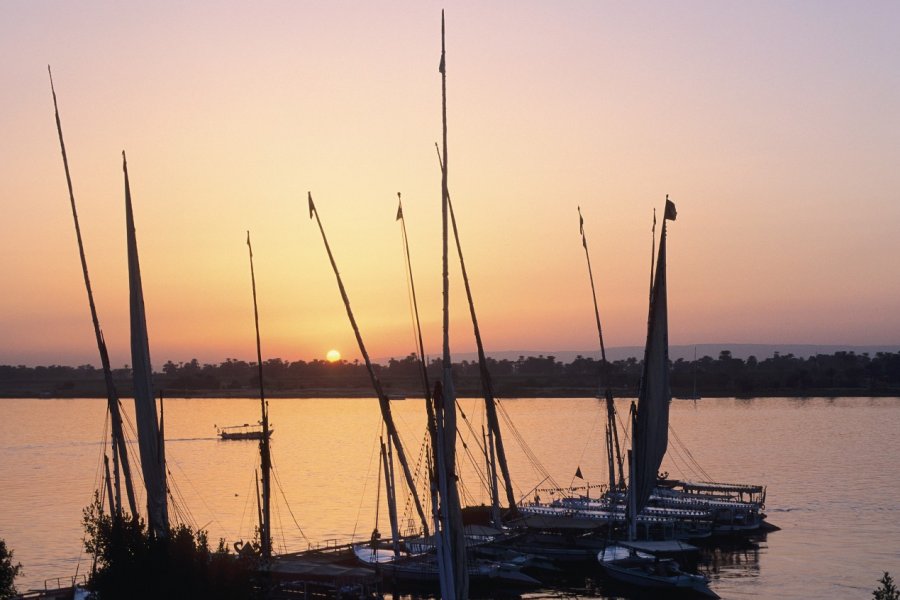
(732, 558)
(829, 464)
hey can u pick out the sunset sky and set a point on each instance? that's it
(774, 126)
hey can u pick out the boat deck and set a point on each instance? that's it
(323, 572)
(661, 547)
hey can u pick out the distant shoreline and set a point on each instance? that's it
(339, 393)
(823, 375)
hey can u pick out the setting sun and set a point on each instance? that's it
(333, 356)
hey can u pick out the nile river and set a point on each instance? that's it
(832, 467)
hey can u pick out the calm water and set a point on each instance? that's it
(831, 467)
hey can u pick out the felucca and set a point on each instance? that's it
(649, 440)
(150, 437)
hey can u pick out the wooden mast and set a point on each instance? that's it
(612, 432)
(383, 401)
(120, 449)
(445, 399)
(265, 458)
(420, 348)
(487, 386)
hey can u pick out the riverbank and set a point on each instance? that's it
(52, 392)
(835, 375)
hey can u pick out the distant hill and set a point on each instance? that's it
(686, 352)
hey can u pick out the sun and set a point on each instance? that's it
(333, 356)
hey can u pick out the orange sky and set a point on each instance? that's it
(775, 127)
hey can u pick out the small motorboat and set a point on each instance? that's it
(246, 431)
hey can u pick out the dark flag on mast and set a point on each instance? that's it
(581, 229)
(312, 207)
(399, 208)
(578, 473)
(670, 209)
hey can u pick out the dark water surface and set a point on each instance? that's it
(832, 467)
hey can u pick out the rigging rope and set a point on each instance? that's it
(179, 505)
(672, 454)
(94, 488)
(529, 454)
(416, 473)
(375, 443)
(286, 503)
(693, 461)
(409, 296)
(280, 528)
(477, 467)
(132, 431)
(197, 492)
(247, 495)
(586, 442)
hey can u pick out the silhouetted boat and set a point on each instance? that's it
(242, 432)
(646, 571)
(422, 569)
(735, 508)
(649, 440)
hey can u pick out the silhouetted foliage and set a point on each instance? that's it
(887, 590)
(8, 572)
(131, 563)
(841, 373)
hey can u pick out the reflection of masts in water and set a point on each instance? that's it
(265, 457)
(149, 440)
(119, 448)
(383, 402)
(487, 387)
(612, 432)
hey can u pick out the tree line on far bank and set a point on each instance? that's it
(841, 373)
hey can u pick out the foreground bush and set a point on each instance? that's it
(131, 563)
(8, 572)
(887, 591)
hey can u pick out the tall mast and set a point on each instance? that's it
(447, 406)
(149, 440)
(383, 401)
(390, 492)
(420, 348)
(612, 437)
(120, 449)
(265, 459)
(487, 386)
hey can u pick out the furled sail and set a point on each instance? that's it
(149, 440)
(651, 424)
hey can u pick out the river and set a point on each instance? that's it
(831, 467)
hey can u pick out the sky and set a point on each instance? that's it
(773, 126)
